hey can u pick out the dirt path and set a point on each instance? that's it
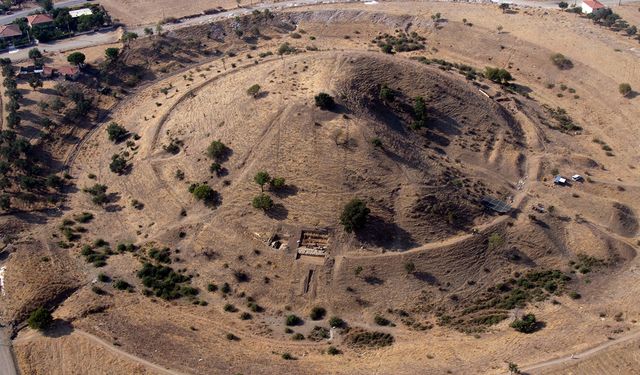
(125, 354)
(581, 356)
(7, 364)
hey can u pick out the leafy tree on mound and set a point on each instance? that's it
(35, 54)
(324, 101)
(40, 319)
(528, 324)
(262, 202)
(354, 215)
(216, 150)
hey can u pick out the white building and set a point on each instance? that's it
(80, 12)
(588, 6)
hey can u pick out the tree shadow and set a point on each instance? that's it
(286, 191)
(379, 232)
(426, 277)
(261, 95)
(58, 328)
(373, 280)
(277, 212)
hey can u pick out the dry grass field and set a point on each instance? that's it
(438, 278)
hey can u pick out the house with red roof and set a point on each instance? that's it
(10, 31)
(40, 20)
(589, 6)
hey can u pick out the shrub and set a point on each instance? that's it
(262, 202)
(561, 61)
(254, 90)
(245, 316)
(376, 142)
(386, 94)
(226, 288)
(229, 308)
(324, 101)
(297, 337)
(103, 278)
(118, 164)
(624, 89)
(336, 322)
(97, 290)
(212, 287)
(317, 313)
(98, 193)
(292, 320)
(232, 337)
(575, 295)
(498, 75)
(381, 320)
(286, 49)
(121, 285)
(332, 350)
(84, 217)
(288, 357)
(116, 132)
(40, 319)
(409, 267)
(354, 215)
(216, 150)
(527, 324)
(111, 53)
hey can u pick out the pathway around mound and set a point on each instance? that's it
(578, 357)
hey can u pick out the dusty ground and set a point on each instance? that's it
(278, 132)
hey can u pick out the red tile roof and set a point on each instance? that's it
(594, 4)
(68, 70)
(7, 31)
(38, 19)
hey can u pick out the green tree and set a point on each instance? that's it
(111, 53)
(128, 37)
(116, 132)
(148, 31)
(76, 58)
(204, 192)
(216, 150)
(47, 5)
(354, 215)
(262, 202)
(40, 319)
(527, 324)
(35, 82)
(277, 182)
(498, 75)
(324, 101)
(35, 55)
(261, 178)
(118, 164)
(563, 5)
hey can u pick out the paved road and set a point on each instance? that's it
(23, 13)
(7, 366)
(82, 41)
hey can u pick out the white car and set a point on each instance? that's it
(577, 178)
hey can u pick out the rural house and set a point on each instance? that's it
(43, 20)
(588, 6)
(9, 32)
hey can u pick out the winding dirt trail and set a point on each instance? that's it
(577, 357)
